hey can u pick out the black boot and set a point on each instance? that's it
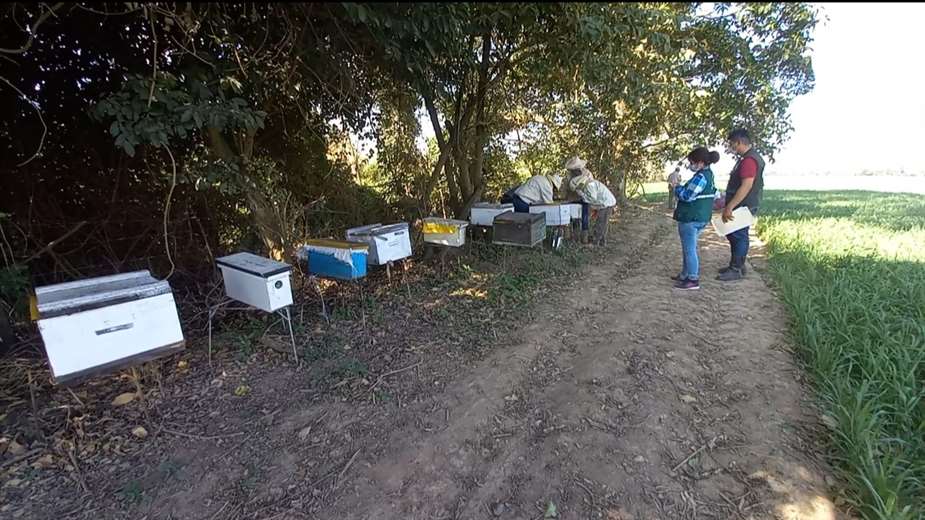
(735, 272)
(728, 267)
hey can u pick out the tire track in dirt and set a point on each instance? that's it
(614, 406)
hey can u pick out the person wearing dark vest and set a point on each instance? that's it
(695, 207)
(745, 187)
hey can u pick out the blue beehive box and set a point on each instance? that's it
(335, 258)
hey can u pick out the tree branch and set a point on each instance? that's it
(434, 120)
(153, 61)
(32, 30)
(173, 184)
(109, 13)
(38, 112)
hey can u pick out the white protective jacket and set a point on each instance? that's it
(536, 190)
(594, 193)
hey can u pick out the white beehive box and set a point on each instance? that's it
(484, 213)
(444, 231)
(575, 210)
(556, 214)
(256, 281)
(102, 324)
(386, 243)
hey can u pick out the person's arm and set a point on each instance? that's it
(748, 170)
(692, 189)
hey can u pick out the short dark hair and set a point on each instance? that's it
(739, 135)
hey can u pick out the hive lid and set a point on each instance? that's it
(336, 244)
(491, 205)
(253, 264)
(363, 230)
(376, 229)
(391, 228)
(519, 217)
(84, 295)
(448, 221)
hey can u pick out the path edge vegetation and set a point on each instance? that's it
(857, 319)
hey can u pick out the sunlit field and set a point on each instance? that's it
(850, 266)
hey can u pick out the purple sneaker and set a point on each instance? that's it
(687, 285)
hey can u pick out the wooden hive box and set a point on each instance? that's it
(102, 324)
(519, 229)
(484, 213)
(556, 214)
(257, 281)
(386, 243)
(337, 259)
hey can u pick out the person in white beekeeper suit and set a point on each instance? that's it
(578, 175)
(594, 196)
(538, 189)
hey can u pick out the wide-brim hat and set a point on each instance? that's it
(575, 163)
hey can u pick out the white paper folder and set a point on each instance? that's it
(741, 218)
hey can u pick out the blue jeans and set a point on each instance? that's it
(689, 231)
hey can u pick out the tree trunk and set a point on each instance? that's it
(481, 128)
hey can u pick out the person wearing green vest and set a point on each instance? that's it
(695, 206)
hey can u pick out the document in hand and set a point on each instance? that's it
(741, 218)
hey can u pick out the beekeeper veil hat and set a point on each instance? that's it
(575, 163)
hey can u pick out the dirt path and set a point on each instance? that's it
(612, 405)
(609, 402)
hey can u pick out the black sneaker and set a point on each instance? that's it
(687, 285)
(678, 278)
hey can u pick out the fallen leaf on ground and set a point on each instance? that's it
(124, 399)
(16, 449)
(45, 461)
(551, 511)
(304, 433)
(242, 390)
(140, 432)
(688, 398)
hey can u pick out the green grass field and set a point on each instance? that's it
(850, 266)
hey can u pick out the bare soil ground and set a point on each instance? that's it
(608, 396)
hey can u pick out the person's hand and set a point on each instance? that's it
(727, 214)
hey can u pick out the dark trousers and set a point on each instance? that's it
(512, 198)
(585, 216)
(602, 224)
(738, 245)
